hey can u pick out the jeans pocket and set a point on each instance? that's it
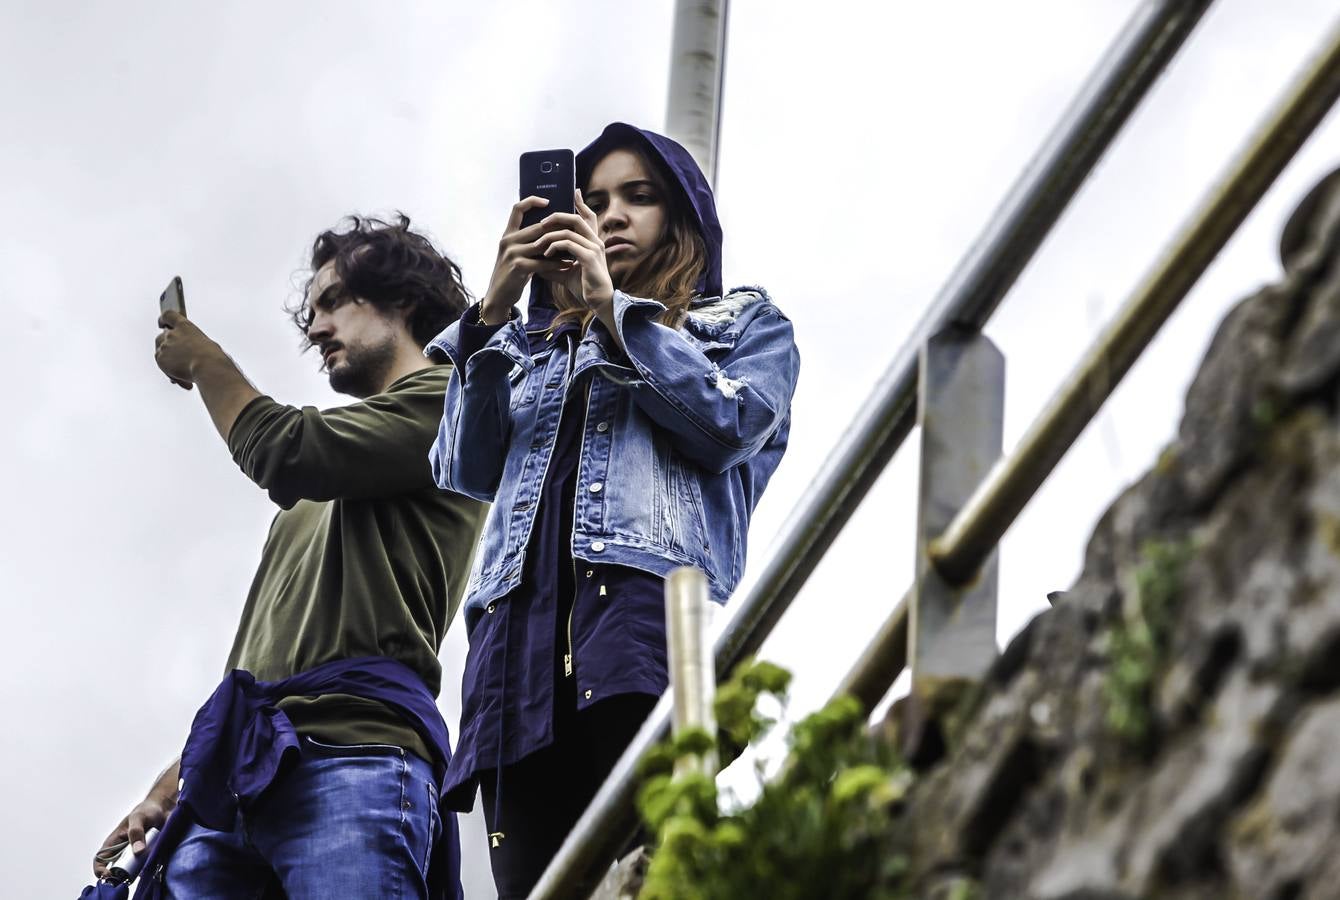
(321, 748)
(434, 823)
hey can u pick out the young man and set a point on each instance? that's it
(359, 577)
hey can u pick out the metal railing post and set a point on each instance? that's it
(961, 413)
(693, 681)
(697, 79)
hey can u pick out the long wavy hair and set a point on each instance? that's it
(668, 274)
(391, 266)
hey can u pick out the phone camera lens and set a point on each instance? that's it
(546, 167)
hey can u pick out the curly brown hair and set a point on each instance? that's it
(390, 266)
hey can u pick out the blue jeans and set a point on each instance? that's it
(343, 822)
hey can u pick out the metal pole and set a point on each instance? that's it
(1152, 37)
(961, 412)
(697, 78)
(1298, 115)
(973, 534)
(692, 671)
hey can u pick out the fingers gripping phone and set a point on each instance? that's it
(550, 174)
(128, 864)
(173, 297)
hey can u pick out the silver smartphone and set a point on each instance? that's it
(173, 297)
(128, 864)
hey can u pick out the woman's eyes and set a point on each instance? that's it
(640, 198)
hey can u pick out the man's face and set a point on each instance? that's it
(356, 341)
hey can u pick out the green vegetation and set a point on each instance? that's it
(1140, 642)
(826, 827)
(833, 824)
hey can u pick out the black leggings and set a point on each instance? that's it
(545, 793)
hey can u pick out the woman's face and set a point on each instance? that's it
(630, 210)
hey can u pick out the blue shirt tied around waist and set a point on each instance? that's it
(240, 739)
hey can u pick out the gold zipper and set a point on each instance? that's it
(568, 661)
(567, 657)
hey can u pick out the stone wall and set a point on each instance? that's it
(1171, 728)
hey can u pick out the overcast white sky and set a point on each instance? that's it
(864, 145)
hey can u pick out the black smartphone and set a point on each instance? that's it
(550, 174)
(173, 297)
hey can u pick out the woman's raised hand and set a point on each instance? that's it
(576, 236)
(519, 257)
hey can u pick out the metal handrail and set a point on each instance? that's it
(981, 523)
(996, 503)
(1151, 38)
(979, 282)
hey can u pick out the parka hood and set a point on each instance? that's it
(685, 174)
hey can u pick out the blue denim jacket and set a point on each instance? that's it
(680, 437)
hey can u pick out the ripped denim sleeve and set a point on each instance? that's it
(718, 410)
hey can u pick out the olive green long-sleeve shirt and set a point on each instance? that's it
(366, 556)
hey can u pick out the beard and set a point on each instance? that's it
(363, 371)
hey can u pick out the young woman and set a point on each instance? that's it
(627, 428)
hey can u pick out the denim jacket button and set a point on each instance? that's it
(490, 608)
(603, 427)
(595, 488)
(598, 546)
(588, 695)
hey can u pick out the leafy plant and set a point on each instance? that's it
(1140, 642)
(823, 828)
